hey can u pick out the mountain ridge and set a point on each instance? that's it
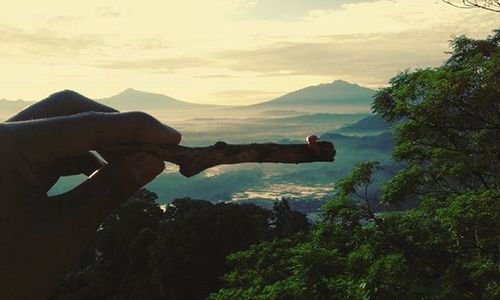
(338, 92)
(131, 99)
(332, 96)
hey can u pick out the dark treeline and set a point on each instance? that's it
(145, 252)
(445, 247)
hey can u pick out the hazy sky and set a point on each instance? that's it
(220, 51)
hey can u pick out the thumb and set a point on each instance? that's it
(89, 204)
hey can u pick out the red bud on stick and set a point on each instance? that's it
(312, 143)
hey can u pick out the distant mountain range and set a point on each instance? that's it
(338, 92)
(370, 124)
(313, 98)
(131, 99)
(8, 106)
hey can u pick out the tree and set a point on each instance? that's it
(193, 240)
(491, 5)
(450, 135)
(287, 222)
(447, 248)
(144, 252)
(357, 183)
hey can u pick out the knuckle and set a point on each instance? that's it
(144, 122)
(65, 95)
(141, 117)
(176, 136)
(66, 98)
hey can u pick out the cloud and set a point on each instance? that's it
(148, 43)
(245, 96)
(108, 12)
(166, 65)
(219, 45)
(286, 9)
(245, 93)
(215, 76)
(45, 43)
(371, 58)
(64, 19)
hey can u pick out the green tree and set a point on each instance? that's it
(447, 248)
(287, 222)
(450, 135)
(358, 183)
(143, 252)
(193, 240)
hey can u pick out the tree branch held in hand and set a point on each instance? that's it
(193, 160)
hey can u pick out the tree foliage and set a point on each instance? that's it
(452, 122)
(144, 252)
(447, 248)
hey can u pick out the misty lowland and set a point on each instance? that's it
(408, 209)
(339, 112)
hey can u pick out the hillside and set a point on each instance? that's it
(368, 125)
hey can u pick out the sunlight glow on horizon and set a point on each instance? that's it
(221, 51)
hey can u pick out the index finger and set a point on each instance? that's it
(67, 136)
(62, 103)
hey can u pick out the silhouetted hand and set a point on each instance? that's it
(40, 236)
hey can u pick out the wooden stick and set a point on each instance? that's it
(193, 160)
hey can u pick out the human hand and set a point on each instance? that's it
(40, 236)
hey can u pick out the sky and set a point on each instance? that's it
(221, 51)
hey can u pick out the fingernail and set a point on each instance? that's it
(146, 168)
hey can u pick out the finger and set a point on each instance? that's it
(89, 204)
(66, 103)
(63, 103)
(67, 136)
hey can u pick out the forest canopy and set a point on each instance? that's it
(447, 248)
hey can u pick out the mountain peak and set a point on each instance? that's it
(132, 99)
(129, 90)
(338, 93)
(342, 82)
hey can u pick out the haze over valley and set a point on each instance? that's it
(338, 111)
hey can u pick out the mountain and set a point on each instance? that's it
(370, 124)
(131, 99)
(338, 93)
(336, 97)
(383, 142)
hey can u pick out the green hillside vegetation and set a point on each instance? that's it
(144, 252)
(447, 166)
(369, 125)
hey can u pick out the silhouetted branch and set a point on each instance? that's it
(491, 5)
(193, 160)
